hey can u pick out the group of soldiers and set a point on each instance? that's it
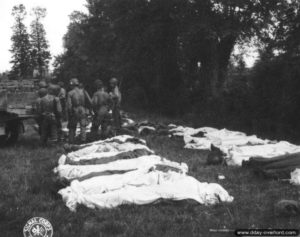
(55, 105)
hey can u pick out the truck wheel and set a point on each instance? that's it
(12, 130)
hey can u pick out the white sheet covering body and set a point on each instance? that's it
(141, 188)
(188, 131)
(70, 172)
(222, 138)
(102, 150)
(238, 154)
(236, 146)
(118, 181)
(295, 177)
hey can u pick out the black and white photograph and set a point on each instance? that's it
(149, 118)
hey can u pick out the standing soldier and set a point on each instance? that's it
(77, 102)
(115, 95)
(42, 91)
(55, 90)
(63, 98)
(50, 108)
(101, 103)
(39, 119)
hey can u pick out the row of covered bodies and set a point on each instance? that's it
(123, 170)
(277, 159)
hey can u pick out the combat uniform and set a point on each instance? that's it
(116, 98)
(39, 117)
(55, 90)
(62, 97)
(101, 103)
(50, 108)
(77, 102)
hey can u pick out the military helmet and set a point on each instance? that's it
(52, 89)
(74, 81)
(61, 83)
(42, 92)
(113, 81)
(98, 83)
(42, 84)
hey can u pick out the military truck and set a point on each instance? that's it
(17, 98)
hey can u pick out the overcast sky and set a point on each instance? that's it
(55, 23)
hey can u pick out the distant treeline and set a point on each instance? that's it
(175, 56)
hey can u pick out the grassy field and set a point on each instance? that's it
(28, 190)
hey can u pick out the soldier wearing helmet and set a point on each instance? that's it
(42, 84)
(54, 89)
(63, 98)
(116, 97)
(50, 109)
(78, 102)
(41, 93)
(101, 103)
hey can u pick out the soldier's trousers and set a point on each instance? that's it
(116, 114)
(59, 128)
(72, 125)
(39, 121)
(48, 129)
(100, 119)
(64, 111)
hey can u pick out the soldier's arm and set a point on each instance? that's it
(88, 100)
(119, 96)
(94, 102)
(69, 103)
(37, 106)
(58, 107)
(110, 101)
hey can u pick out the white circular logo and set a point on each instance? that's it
(38, 227)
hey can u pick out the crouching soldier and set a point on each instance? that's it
(115, 95)
(78, 101)
(50, 108)
(101, 103)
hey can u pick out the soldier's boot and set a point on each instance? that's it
(59, 131)
(94, 131)
(82, 134)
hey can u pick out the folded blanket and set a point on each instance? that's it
(236, 155)
(279, 167)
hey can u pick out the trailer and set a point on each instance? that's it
(17, 99)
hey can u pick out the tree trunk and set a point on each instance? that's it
(225, 49)
(215, 65)
(169, 73)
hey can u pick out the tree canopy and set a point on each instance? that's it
(40, 49)
(21, 61)
(166, 49)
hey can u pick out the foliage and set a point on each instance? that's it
(21, 46)
(39, 52)
(166, 49)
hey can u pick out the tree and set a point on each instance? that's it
(163, 47)
(215, 26)
(40, 48)
(21, 46)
